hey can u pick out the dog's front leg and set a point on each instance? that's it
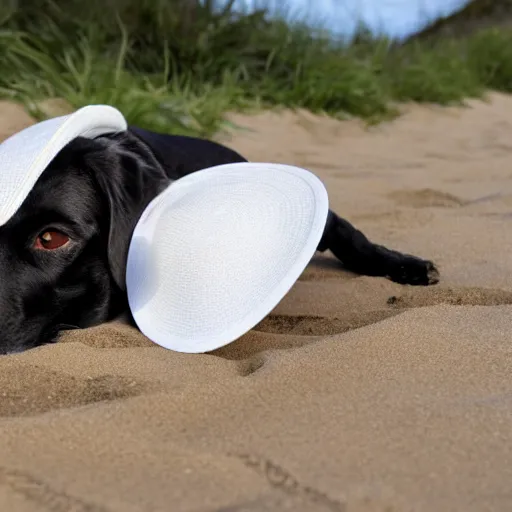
(360, 255)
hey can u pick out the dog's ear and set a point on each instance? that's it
(129, 177)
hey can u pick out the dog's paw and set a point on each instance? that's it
(415, 271)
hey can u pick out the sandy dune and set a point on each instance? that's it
(356, 394)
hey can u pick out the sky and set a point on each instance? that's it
(396, 18)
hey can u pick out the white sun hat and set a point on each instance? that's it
(212, 255)
(215, 252)
(25, 155)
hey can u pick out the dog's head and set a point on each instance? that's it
(63, 254)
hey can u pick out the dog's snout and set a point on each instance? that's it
(17, 330)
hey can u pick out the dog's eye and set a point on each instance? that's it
(51, 240)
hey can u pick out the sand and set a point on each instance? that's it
(354, 395)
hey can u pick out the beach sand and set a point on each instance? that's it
(355, 395)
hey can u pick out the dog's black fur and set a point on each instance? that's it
(94, 191)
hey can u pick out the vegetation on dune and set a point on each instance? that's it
(473, 16)
(179, 65)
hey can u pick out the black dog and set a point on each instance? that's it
(63, 254)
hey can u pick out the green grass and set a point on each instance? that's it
(179, 65)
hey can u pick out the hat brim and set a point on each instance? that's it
(217, 251)
(25, 155)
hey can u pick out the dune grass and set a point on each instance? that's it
(179, 65)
